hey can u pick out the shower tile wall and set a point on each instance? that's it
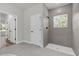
(57, 35)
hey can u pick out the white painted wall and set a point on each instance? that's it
(7, 8)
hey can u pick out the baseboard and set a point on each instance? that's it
(32, 43)
(23, 41)
(19, 42)
(27, 42)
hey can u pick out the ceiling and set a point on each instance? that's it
(27, 5)
(23, 5)
(55, 5)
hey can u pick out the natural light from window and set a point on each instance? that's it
(3, 27)
(60, 21)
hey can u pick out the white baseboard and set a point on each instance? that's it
(23, 41)
(27, 42)
(19, 42)
(32, 43)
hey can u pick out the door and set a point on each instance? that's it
(36, 30)
(12, 30)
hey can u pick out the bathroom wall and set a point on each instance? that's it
(61, 36)
(76, 28)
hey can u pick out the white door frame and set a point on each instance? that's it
(12, 30)
(40, 44)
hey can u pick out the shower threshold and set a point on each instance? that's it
(60, 48)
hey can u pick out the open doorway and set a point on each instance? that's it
(7, 30)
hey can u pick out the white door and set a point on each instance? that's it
(36, 32)
(12, 30)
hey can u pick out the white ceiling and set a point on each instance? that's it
(55, 5)
(28, 5)
(23, 5)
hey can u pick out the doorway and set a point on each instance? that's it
(7, 30)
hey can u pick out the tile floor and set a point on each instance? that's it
(25, 49)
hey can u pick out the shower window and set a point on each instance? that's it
(60, 21)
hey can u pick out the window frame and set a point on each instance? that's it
(65, 26)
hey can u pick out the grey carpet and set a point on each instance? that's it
(25, 49)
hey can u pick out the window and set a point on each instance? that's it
(60, 21)
(3, 27)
